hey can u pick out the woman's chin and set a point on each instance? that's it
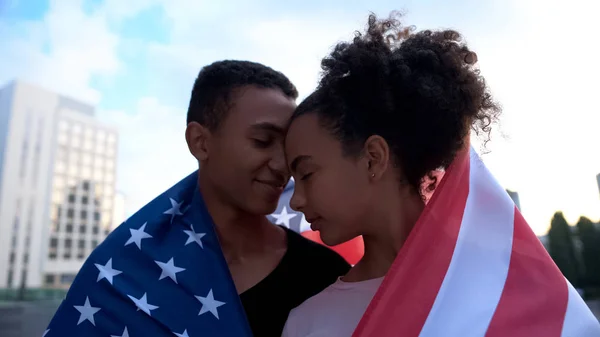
(329, 239)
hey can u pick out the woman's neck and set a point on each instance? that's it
(388, 230)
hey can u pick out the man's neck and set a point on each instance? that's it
(241, 235)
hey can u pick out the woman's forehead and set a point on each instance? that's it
(306, 137)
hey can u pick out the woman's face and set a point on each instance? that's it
(332, 190)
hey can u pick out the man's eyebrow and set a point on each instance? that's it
(297, 161)
(267, 126)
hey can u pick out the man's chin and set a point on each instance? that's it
(263, 208)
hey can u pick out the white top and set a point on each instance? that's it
(334, 312)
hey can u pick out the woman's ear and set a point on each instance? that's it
(377, 154)
(198, 137)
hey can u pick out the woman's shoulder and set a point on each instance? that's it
(335, 311)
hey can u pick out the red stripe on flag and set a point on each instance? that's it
(535, 296)
(404, 299)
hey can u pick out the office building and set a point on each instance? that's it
(119, 214)
(515, 197)
(57, 186)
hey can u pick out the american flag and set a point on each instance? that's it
(286, 216)
(161, 273)
(473, 267)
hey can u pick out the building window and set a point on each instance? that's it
(94, 244)
(52, 256)
(88, 145)
(84, 200)
(9, 279)
(68, 243)
(63, 138)
(63, 126)
(80, 256)
(86, 185)
(84, 214)
(67, 278)
(86, 172)
(95, 229)
(72, 198)
(67, 256)
(70, 213)
(50, 279)
(97, 216)
(26, 258)
(82, 229)
(12, 258)
(100, 148)
(69, 228)
(81, 244)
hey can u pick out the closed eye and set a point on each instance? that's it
(261, 143)
(306, 176)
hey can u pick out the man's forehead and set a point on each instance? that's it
(262, 109)
(269, 126)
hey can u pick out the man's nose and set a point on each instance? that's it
(278, 162)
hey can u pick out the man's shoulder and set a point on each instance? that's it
(306, 252)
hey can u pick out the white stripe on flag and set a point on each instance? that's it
(475, 278)
(579, 320)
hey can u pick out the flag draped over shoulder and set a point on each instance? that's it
(473, 267)
(161, 273)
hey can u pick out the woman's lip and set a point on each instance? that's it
(314, 223)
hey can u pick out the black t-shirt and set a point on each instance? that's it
(305, 270)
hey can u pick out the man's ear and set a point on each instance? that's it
(197, 137)
(377, 154)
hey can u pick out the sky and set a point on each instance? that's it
(136, 61)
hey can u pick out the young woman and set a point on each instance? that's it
(391, 108)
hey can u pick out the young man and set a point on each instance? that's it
(237, 119)
(167, 272)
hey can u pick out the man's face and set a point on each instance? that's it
(245, 159)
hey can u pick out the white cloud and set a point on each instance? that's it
(79, 47)
(541, 66)
(153, 154)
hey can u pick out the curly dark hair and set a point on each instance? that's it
(216, 84)
(419, 91)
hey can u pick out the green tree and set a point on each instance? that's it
(562, 248)
(590, 254)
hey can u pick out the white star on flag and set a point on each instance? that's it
(174, 210)
(284, 217)
(125, 333)
(184, 334)
(87, 312)
(45, 333)
(137, 235)
(209, 304)
(143, 305)
(194, 237)
(107, 271)
(169, 269)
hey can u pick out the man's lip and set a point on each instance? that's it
(274, 184)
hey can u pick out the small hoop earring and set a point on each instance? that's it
(372, 175)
